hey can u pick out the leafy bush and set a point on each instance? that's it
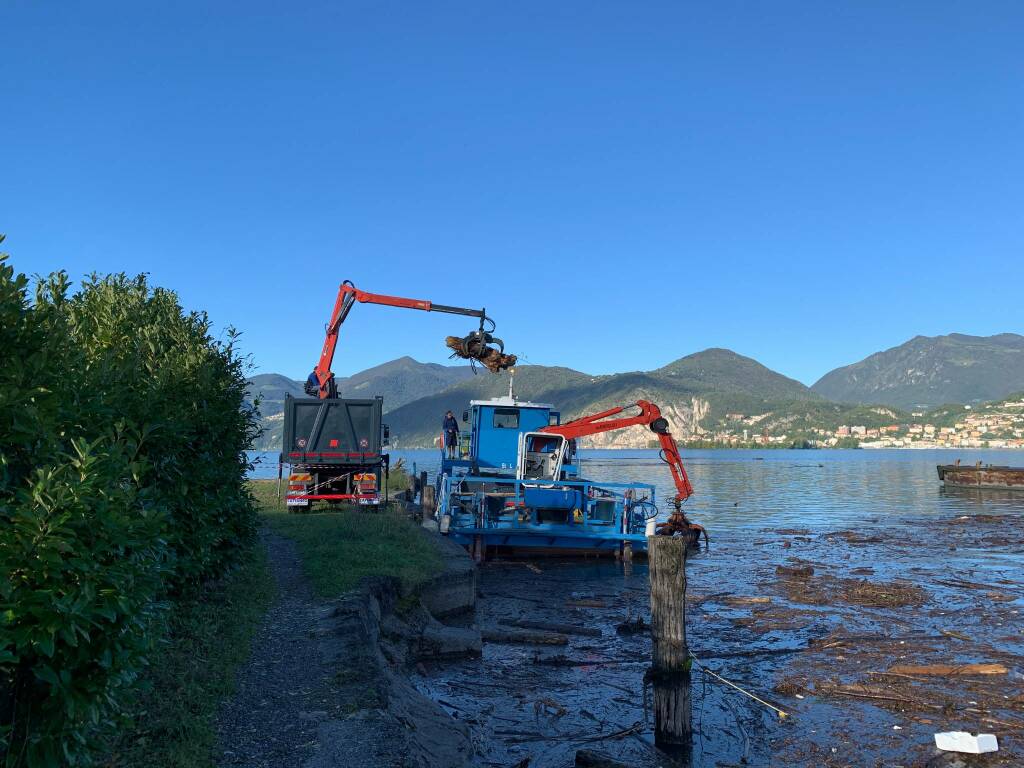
(123, 432)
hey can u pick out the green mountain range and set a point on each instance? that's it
(693, 391)
(697, 393)
(932, 370)
(703, 395)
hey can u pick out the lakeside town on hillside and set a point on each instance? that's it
(993, 426)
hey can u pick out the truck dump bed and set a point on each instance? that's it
(335, 431)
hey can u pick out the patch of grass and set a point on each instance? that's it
(209, 636)
(398, 479)
(365, 698)
(338, 548)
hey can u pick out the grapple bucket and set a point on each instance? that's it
(478, 346)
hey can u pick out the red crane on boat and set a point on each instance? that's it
(649, 416)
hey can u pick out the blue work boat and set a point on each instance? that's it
(513, 482)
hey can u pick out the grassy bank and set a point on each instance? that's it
(338, 548)
(209, 637)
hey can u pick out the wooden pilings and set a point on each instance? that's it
(667, 558)
(673, 710)
(670, 669)
(428, 502)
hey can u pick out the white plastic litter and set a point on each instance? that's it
(962, 741)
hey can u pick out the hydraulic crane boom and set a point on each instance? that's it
(321, 380)
(650, 416)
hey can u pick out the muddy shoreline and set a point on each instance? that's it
(871, 639)
(845, 629)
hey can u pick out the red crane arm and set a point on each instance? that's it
(650, 415)
(348, 295)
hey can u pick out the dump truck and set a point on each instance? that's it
(334, 446)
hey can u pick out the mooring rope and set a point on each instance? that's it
(782, 714)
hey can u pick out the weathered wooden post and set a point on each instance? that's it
(670, 670)
(429, 504)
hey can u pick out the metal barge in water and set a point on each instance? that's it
(513, 482)
(981, 476)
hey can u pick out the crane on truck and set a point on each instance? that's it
(335, 446)
(649, 415)
(479, 345)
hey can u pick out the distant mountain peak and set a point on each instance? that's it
(932, 370)
(723, 369)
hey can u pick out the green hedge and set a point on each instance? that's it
(123, 431)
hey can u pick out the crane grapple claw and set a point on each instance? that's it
(678, 525)
(477, 346)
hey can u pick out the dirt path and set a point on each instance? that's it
(291, 707)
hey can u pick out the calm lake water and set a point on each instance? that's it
(738, 490)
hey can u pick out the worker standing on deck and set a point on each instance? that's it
(451, 434)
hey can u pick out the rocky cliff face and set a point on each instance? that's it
(683, 418)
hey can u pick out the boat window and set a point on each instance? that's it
(506, 418)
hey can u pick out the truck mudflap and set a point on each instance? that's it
(298, 489)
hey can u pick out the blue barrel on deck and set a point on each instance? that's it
(552, 498)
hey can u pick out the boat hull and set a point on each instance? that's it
(561, 542)
(554, 543)
(1001, 478)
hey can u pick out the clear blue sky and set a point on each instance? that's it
(619, 183)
